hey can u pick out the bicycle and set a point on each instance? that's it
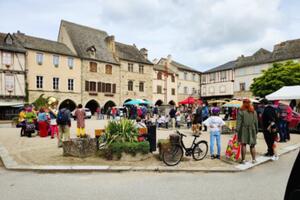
(174, 154)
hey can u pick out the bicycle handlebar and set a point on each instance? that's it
(180, 133)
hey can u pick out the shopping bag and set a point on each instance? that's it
(233, 149)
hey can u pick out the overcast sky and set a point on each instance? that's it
(198, 33)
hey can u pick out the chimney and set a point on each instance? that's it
(169, 60)
(110, 43)
(144, 52)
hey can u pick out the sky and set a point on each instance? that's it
(198, 33)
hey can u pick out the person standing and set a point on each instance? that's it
(269, 116)
(205, 115)
(172, 115)
(80, 118)
(64, 123)
(98, 111)
(43, 122)
(198, 112)
(53, 123)
(247, 128)
(215, 124)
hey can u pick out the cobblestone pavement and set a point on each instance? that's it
(44, 151)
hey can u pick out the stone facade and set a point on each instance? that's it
(137, 76)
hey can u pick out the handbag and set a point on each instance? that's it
(233, 149)
(29, 128)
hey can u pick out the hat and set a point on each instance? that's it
(215, 110)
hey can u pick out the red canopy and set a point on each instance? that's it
(190, 100)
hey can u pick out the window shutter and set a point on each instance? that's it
(99, 87)
(114, 88)
(103, 87)
(87, 86)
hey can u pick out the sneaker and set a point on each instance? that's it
(212, 157)
(217, 157)
(275, 158)
(243, 162)
(254, 161)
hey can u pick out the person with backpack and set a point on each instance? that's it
(64, 123)
(205, 115)
(80, 118)
(172, 115)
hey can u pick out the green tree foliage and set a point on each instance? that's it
(41, 101)
(281, 74)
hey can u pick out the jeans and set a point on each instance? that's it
(215, 135)
(283, 130)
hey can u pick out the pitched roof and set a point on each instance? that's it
(289, 49)
(40, 44)
(83, 37)
(15, 46)
(162, 68)
(259, 57)
(226, 66)
(180, 66)
(130, 53)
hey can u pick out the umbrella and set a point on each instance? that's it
(190, 100)
(233, 104)
(147, 102)
(134, 102)
(217, 102)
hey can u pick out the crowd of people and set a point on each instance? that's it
(273, 120)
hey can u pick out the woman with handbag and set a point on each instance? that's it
(247, 128)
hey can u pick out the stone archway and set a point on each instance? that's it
(172, 103)
(67, 103)
(109, 104)
(92, 105)
(159, 102)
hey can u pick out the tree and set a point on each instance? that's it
(281, 74)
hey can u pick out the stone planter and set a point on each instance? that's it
(80, 147)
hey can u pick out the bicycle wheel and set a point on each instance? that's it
(200, 150)
(173, 155)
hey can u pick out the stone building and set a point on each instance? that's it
(188, 79)
(12, 76)
(165, 82)
(112, 72)
(217, 83)
(135, 72)
(52, 69)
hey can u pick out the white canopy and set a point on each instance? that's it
(285, 93)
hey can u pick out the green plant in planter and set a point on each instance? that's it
(121, 131)
(132, 148)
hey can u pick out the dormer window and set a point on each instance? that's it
(8, 39)
(92, 51)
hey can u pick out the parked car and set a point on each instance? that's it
(294, 124)
(88, 113)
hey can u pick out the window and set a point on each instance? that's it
(108, 69)
(159, 89)
(7, 58)
(185, 76)
(173, 78)
(93, 67)
(130, 67)
(55, 60)
(39, 58)
(141, 86)
(173, 91)
(185, 90)
(204, 79)
(55, 83)
(212, 77)
(223, 75)
(92, 87)
(194, 77)
(70, 84)
(130, 85)
(159, 75)
(39, 82)
(70, 63)
(194, 91)
(141, 69)
(242, 86)
(108, 88)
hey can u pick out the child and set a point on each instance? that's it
(215, 124)
(178, 119)
(273, 130)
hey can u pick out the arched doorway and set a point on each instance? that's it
(92, 105)
(172, 103)
(108, 104)
(159, 102)
(68, 103)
